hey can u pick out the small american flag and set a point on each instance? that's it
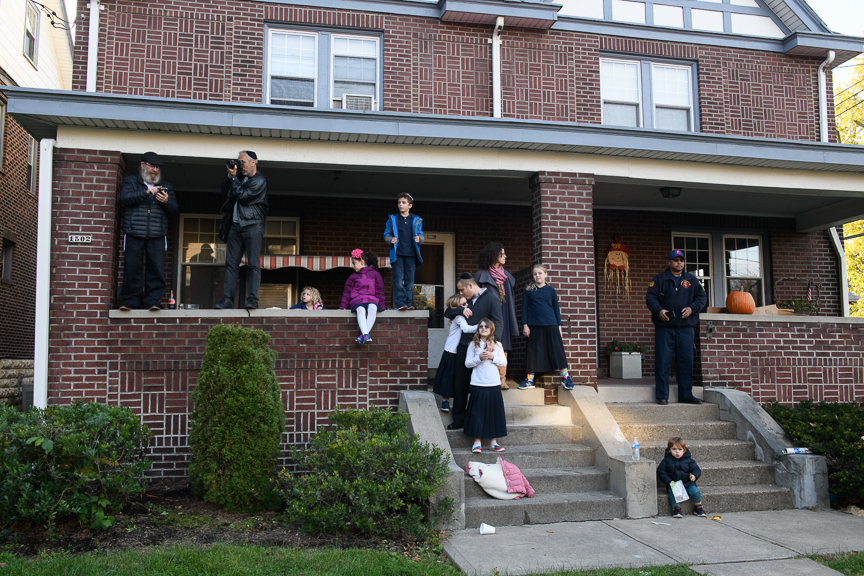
(810, 291)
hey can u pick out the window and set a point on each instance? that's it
(697, 257)
(202, 255)
(643, 93)
(323, 69)
(742, 258)
(32, 158)
(31, 32)
(6, 260)
(2, 130)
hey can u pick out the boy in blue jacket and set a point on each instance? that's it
(404, 235)
(678, 465)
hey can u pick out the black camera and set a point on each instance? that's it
(234, 164)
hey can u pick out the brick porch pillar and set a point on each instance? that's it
(563, 226)
(83, 275)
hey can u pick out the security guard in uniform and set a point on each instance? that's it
(675, 299)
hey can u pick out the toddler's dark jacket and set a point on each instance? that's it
(672, 469)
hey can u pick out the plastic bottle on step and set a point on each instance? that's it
(635, 448)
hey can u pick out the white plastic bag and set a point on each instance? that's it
(679, 491)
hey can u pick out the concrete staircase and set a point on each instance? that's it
(546, 446)
(732, 479)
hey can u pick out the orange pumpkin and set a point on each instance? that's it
(740, 303)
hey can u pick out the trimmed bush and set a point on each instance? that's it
(834, 431)
(366, 474)
(84, 460)
(237, 421)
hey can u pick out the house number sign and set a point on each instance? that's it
(80, 238)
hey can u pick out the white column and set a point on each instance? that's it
(496, 67)
(93, 44)
(43, 274)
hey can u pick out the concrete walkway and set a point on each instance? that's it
(740, 544)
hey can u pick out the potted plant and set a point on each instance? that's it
(625, 359)
(799, 307)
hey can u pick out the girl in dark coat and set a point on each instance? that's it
(492, 276)
(678, 465)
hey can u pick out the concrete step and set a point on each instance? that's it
(531, 415)
(654, 433)
(641, 390)
(725, 499)
(524, 435)
(515, 397)
(702, 450)
(631, 413)
(734, 473)
(543, 509)
(531, 456)
(554, 481)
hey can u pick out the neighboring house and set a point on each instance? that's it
(552, 128)
(36, 55)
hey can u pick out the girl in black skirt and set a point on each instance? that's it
(484, 417)
(541, 319)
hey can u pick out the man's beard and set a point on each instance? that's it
(148, 177)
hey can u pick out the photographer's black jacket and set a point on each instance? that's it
(250, 195)
(666, 292)
(145, 216)
(487, 305)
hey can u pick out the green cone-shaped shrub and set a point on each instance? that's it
(237, 421)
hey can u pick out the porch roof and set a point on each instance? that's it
(42, 111)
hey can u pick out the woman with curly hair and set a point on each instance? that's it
(493, 276)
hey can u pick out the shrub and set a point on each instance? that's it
(834, 431)
(237, 421)
(85, 459)
(365, 474)
(623, 346)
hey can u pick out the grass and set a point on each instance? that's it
(849, 563)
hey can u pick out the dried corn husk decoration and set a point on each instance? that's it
(617, 269)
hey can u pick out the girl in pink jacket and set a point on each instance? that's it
(364, 292)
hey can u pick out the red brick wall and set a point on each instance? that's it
(785, 360)
(18, 215)
(214, 51)
(564, 242)
(648, 235)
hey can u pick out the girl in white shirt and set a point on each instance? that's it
(447, 366)
(484, 417)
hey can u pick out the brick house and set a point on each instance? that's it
(552, 128)
(34, 54)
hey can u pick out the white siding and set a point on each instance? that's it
(54, 63)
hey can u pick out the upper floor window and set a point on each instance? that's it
(323, 69)
(31, 32)
(644, 93)
(2, 130)
(7, 250)
(32, 157)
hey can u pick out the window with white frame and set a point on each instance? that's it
(644, 93)
(742, 259)
(697, 259)
(31, 32)
(202, 254)
(320, 68)
(32, 158)
(2, 130)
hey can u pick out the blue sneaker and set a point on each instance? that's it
(567, 383)
(366, 339)
(445, 406)
(526, 385)
(360, 340)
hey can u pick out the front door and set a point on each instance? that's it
(434, 282)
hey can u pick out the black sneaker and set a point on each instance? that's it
(251, 305)
(224, 305)
(676, 512)
(699, 511)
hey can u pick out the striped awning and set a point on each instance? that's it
(314, 263)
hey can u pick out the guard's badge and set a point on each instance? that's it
(685, 284)
(651, 285)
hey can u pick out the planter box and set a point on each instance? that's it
(625, 365)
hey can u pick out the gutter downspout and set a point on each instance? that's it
(93, 44)
(496, 67)
(823, 96)
(43, 274)
(841, 256)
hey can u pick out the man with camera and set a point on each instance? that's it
(148, 201)
(243, 216)
(675, 298)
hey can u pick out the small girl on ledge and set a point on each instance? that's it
(310, 299)
(364, 292)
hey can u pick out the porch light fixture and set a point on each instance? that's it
(670, 192)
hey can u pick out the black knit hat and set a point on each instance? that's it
(151, 158)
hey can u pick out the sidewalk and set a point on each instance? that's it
(741, 544)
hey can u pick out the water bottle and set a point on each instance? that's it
(635, 448)
(172, 305)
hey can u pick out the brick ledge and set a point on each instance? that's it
(772, 318)
(274, 313)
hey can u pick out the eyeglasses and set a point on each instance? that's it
(482, 327)
(148, 165)
(677, 260)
